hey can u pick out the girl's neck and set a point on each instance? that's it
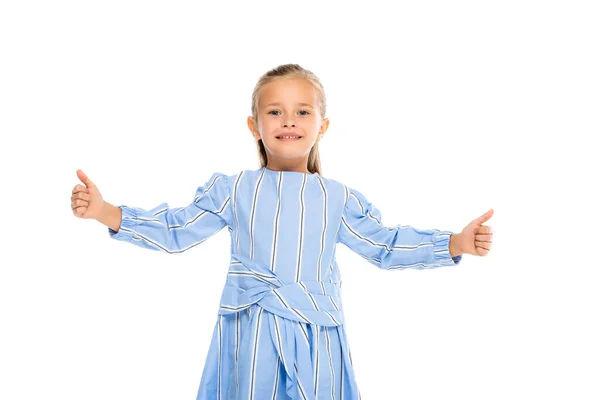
(288, 168)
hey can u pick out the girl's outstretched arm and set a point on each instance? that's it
(173, 230)
(393, 247)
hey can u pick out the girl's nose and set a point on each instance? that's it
(288, 124)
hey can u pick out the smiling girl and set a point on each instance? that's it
(280, 330)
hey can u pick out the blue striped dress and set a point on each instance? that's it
(280, 331)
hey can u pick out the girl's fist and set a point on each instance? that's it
(86, 201)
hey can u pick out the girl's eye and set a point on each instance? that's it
(272, 111)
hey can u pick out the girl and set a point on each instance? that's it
(280, 329)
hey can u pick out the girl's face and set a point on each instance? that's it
(288, 106)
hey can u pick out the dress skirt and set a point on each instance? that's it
(243, 361)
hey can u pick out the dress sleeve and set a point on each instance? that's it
(398, 247)
(175, 230)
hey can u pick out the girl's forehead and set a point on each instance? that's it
(287, 90)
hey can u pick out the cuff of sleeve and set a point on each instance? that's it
(457, 259)
(128, 223)
(441, 250)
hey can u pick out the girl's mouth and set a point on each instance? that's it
(288, 138)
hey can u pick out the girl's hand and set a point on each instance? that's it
(476, 239)
(86, 201)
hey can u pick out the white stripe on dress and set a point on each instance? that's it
(255, 351)
(253, 212)
(276, 225)
(328, 344)
(301, 230)
(324, 230)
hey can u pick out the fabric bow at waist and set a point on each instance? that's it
(311, 302)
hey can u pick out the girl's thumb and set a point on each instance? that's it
(84, 178)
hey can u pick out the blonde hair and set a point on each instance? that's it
(290, 71)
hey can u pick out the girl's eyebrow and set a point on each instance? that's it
(300, 104)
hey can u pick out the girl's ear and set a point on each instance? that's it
(324, 126)
(253, 128)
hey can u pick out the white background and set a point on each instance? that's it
(439, 111)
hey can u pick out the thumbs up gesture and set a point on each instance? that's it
(476, 238)
(86, 201)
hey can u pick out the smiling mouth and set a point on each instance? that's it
(288, 138)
